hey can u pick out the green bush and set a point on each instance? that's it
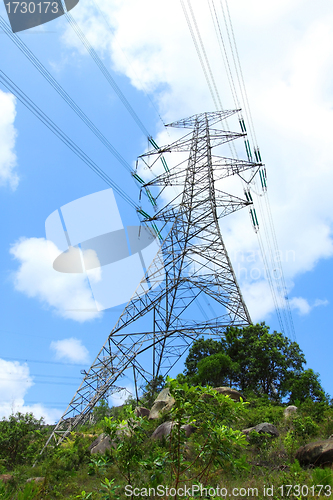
(267, 413)
(21, 439)
(304, 427)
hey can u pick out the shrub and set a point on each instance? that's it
(21, 438)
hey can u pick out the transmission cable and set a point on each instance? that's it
(188, 21)
(283, 295)
(224, 54)
(6, 358)
(105, 72)
(240, 71)
(198, 53)
(145, 91)
(240, 79)
(205, 54)
(53, 82)
(10, 85)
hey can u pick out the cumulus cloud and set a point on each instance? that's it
(15, 381)
(68, 294)
(7, 141)
(70, 350)
(303, 307)
(287, 80)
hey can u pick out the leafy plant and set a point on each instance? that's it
(304, 427)
(84, 496)
(20, 439)
(5, 492)
(98, 464)
(216, 445)
(29, 492)
(109, 489)
(322, 476)
(128, 437)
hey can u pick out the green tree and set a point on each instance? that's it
(216, 370)
(266, 360)
(253, 359)
(304, 385)
(199, 350)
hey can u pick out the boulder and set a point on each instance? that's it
(164, 430)
(164, 402)
(6, 477)
(232, 393)
(140, 411)
(101, 444)
(317, 453)
(36, 480)
(265, 427)
(290, 410)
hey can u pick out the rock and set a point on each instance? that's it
(290, 410)
(265, 427)
(189, 429)
(164, 430)
(164, 402)
(123, 430)
(101, 444)
(317, 453)
(232, 393)
(6, 477)
(36, 479)
(140, 411)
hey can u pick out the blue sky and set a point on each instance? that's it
(286, 54)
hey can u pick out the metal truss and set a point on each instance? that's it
(190, 289)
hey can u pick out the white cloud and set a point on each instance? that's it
(120, 397)
(7, 140)
(303, 307)
(15, 381)
(319, 302)
(71, 350)
(68, 294)
(286, 50)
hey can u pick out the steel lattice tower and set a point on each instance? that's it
(192, 264)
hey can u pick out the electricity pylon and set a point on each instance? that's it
(191, 266)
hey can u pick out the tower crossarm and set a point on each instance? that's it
(212, 118)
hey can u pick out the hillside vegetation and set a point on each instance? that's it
(208, 449)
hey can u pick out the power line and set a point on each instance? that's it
(279, 292)
(38, 382)
(48, 376)
(136, 75)
(105, 72)
(205, 55)
(42, 361)
(65, 96)
(269, 231)
(208, 75)
(10, 85)
(199, 54)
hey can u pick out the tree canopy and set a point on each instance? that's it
(253, 359)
